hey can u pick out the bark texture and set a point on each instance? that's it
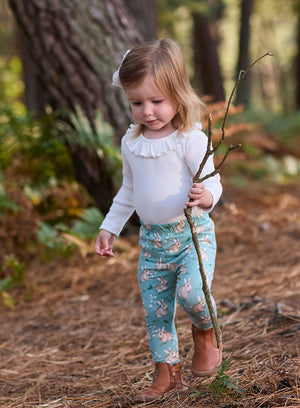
(75, 46)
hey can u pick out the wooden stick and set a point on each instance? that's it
(198, 179)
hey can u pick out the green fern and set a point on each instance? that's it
(222, 384)
(50, 238)
(98, 139)
(87, 226)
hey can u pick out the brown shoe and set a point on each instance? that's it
(207, 357)
(167, 378)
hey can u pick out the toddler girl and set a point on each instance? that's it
(161, 152)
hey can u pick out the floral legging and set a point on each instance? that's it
(169, 269)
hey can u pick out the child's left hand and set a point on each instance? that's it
(201, 197)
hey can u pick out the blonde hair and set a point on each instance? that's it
(163, 61)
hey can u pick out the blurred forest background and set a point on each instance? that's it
(61, 120)
(72, 331)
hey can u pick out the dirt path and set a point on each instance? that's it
(78, 340)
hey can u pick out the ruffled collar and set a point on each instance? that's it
(141, 146)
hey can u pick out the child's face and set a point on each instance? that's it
(151, 108)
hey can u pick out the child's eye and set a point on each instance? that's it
(156, 102)
(136, 103)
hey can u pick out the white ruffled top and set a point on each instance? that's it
(157, 177)
(142, 146)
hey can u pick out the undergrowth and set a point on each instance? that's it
(222, 384)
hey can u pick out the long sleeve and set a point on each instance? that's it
(122, 206)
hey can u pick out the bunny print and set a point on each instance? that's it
(205, 240)
(163, 266)
(185, 289)
(164, 336)
(204, 254)
(160, 266)
(175, 247)
(145, 275)
(172, 356)
(162, 310)
(200, 229)
(180, 226)
(199, 307)
(205, 319)
(182, 270)
(162, 285)
(157, 241)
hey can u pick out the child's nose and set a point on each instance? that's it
(148, 109)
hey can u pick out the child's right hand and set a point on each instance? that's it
(104, 243)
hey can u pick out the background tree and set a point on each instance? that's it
(75, 46)
(205, 43)
(243, 92)
(145, 17)
(202, 18)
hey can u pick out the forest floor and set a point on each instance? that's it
(76, 337)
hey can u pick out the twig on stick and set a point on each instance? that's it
(198, 179)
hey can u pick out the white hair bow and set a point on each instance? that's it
(115, 77)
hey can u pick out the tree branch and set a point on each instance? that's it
(198, 179)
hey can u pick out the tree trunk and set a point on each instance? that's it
(34, 95)
(243, 92)
(75, 46)
(298, 64)
(206, 61)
